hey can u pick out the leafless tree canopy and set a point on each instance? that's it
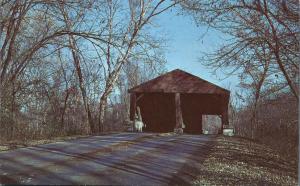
(262, 48)
(65, 66)
(262, 44)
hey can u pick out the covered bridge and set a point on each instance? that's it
(177, 97)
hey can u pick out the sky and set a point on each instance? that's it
(186, 43)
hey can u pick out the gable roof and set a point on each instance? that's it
(179, 81)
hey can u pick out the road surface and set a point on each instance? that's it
(125, 158)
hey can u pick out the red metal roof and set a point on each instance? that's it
(179, 81)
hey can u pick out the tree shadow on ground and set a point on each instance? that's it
(156, 159)
(234, 162)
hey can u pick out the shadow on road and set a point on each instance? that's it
(123, 159)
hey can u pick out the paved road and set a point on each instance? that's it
(126, 158)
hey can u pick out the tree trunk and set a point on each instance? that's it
(62, 119)
(102, 109)
(81, 85)
(74, 50)
(110, 82)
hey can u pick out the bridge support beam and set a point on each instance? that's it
(178, 114)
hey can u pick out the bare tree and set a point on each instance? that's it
(254, 28)
(141, 14)
(262, 48)
(76, 61)
(60, 61)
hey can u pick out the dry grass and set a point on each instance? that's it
(13, 144)
(231, 161)
(237, 161)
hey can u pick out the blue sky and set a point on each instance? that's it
(185, 46)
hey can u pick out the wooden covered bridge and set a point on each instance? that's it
(177, 99)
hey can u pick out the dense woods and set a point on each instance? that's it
(275, 123)
(60, 62)
(262, 48)
(66, 66)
